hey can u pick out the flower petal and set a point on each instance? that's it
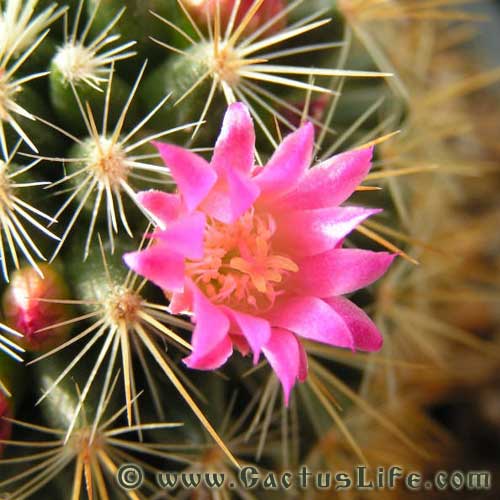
(181, 302)
(282, 353)
(331, 182)
(339, 271)
(243, 193)
(211, 343)
(185, 235)
(193, 175)
(366, 335)
(235, 145)
(159, 265)
(310, 232)
(212, 359)
(287, 165)
(255, 330)
(313, 319)
(164, 206)
(231, 198)
(241, 344)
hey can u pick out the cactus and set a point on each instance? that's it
(239, 233)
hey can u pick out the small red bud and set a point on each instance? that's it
(204, 10)
(28, 308)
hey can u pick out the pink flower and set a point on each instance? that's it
(255, 253)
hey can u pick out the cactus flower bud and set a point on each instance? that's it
(30, 307)
(204, 10)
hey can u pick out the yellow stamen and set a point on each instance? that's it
(240, 266)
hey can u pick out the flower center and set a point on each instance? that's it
(240, 268)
